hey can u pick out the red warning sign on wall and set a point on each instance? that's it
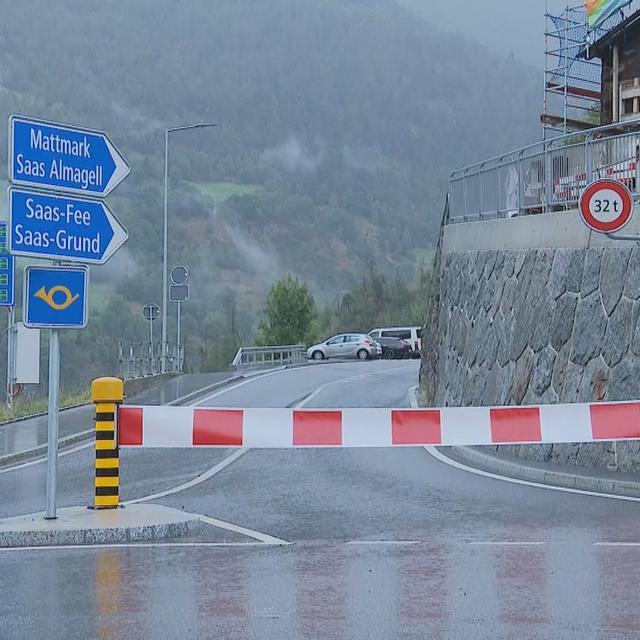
(606, 206)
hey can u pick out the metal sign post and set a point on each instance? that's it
(179, 293)
(52, 424)
(52, 157)
(150, 312)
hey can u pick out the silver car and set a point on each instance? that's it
(346, 345)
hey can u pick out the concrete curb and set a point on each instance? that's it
(81, 526)
(522, 471)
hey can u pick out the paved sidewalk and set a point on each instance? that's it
(25, 435)
(79, 525)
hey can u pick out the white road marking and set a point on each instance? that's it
(134, 545)
(383, 542)
(506, 543)
(322, 387)
(433, 451)
(233, 387)
(262, 537)
(536, 485)
(616, 544)
(203, 477)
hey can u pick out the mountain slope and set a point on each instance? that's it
(344, 117)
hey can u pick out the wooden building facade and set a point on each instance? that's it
(619, 51)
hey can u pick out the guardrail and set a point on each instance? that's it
(248, 357)
(142, 359)
(546, 176)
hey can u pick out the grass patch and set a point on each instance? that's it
(222, 191)
(25, 407)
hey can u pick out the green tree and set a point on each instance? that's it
(290, 313)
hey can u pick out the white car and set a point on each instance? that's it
(413, 335)
(346, 345)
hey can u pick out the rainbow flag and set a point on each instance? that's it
(599, 10)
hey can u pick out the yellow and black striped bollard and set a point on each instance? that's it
(107, 394)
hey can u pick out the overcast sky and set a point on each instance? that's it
(502, 25)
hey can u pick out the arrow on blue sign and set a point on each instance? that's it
(42, 225)
(63, 158)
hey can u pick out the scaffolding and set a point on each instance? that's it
(572, 90)
(572, 84)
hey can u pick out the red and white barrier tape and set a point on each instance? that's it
(283, 428)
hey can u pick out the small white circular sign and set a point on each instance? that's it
(606, 206)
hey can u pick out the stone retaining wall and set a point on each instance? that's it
(540, 326)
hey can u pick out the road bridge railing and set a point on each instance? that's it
(546, 176)
(273, 356)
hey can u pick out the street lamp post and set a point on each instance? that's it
(165, 233)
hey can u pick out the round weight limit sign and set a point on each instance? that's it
(606, 206)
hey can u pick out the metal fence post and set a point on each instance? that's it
(107, 394)
(520, 190)
(548, 177)
(480, 191)
(588, 148)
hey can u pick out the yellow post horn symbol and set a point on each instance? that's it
(47, 296)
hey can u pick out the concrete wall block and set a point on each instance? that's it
(572, 381)
(504, 384)
(590, 326)
(503, 326)
(595, 377)
(498, 293)
(575, 269)
(612, 277)
(635, 329)
(522, 331)
(617, 338)
(542, 319)
(522, 377)
(591, 272)
(632, 280)
(558, 277)
(520, 257)
(510, 262)
(508, 295)
(624, 380)
(489, 293)
(563, 320)
(543, 371)
(490, 264)
(560, 369)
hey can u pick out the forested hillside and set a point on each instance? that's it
(340, 120)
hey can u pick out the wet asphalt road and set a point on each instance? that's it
(385, 543)
(32, 432)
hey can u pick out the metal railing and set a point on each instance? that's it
(142, 359)
(248, 357)
(546, 176)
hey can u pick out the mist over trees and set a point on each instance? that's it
(340, 121)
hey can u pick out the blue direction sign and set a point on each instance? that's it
(55, 297)
(63, 158)
(43, 225)
(7, 271)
